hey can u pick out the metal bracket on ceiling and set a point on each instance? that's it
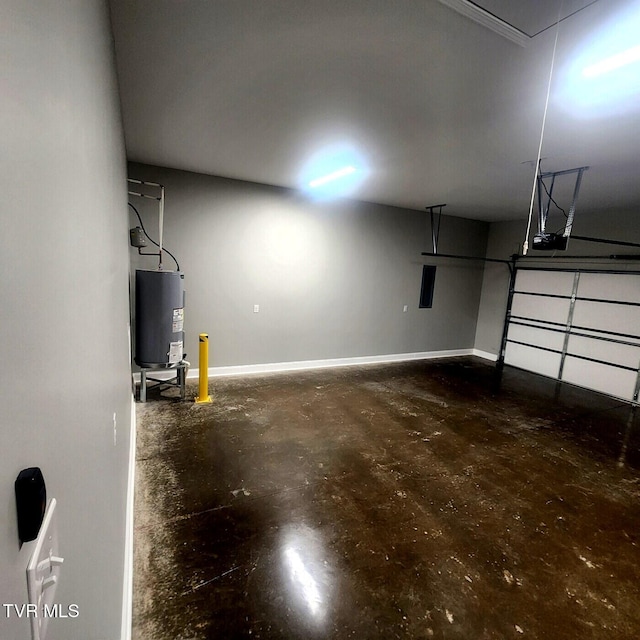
(555, 241)
(436, 217)
(435, 213)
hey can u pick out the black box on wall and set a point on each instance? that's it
(31, 502)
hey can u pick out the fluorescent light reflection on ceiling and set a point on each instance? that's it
(334, 171)
(340, 173)
(614, 62)
(603, 76)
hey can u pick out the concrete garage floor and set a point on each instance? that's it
(413, 500)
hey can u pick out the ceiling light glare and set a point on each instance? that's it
(601, 77)
(335, 170)
(340, 173)
(614, 62)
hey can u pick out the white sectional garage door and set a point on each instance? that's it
(579, 326)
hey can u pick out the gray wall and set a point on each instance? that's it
(64, 304)
(506, 238)
(331, 279)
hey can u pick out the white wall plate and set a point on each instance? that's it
(43, 573)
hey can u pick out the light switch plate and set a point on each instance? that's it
(43, 573)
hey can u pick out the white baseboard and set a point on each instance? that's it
(127, 588)
(486, 355)
(302, 365)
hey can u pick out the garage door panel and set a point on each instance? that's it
(539, 308)
(558, 283)
(610, 317)
(621, 354)
(531, 359)
(618, 286)
(536, 335)
(600, 377)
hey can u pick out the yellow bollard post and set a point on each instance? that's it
(203, 371)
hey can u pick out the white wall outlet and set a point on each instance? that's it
(405, 308)
(256, 308)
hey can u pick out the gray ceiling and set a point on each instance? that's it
(532, 17)
(443, 109)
